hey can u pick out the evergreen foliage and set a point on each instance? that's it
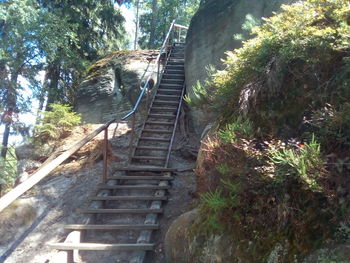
(8, 169)
(279, 161)
(56, 123)
(162, 13)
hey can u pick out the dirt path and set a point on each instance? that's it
(57, 199)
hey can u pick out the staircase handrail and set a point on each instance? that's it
(161, 51)
(145, 86)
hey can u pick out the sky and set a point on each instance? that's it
(129, 15)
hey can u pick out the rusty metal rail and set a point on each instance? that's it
(156, 67)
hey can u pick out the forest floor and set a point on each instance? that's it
(53, 204)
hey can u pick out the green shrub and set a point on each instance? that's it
(223, 169)
(56, 123)
(239, 126)
(304, 161)
(8, 169)
(287, 65)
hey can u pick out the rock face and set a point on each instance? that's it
(211, 34)
(183, 247)
(112, 85)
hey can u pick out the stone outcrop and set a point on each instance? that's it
(182, 247)
(211, 34)
(112, 85)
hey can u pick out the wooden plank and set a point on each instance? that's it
(168, 96)
(151, 148)
(42, 172)
(69, 256)
(129, 198)
(161, 116)
(166, 102)
(157, 131)
(101, 247)
(120, 211)
(156, 158)
(159, 122)
(154, 139)
(174, 128)
(169, 86)
(133, 187)
(145, 235)
(112, 227)
(170, 90)
(140, 177)
(146, 169)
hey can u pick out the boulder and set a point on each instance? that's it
(112, 85)
(211, 34)
(177, 240)
(183, 247)
(33, 152)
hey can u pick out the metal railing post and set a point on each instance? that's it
(132, 135)
(147, 99)
(105, 157)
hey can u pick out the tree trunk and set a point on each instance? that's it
(152, 36)
(11, 103)
(42, 96)
(5, 140)
(137, 23)
(53, 76)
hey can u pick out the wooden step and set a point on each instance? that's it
(169, 90)
(174, 71)
(174, 89)
(175, 63)
(128, 198)
(152, 148)
(133, 187)
(177, 55)
(164, 108)
(171, 86)
(173, 76)
(166, 102)
(156, 158)
(172, 81)
(174, 67)
(112, 227)
(157, 131)
(154, 139)
(141, 177)
(120, 211)
(100, 246)
(159, 123)
(161, 116)
(146, 168)
(168, 96)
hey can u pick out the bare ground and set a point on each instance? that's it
(56, 200)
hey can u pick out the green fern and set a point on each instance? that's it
(56, 123)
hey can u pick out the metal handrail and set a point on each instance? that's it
(161, 51)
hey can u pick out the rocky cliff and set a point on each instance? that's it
(211, 34)
(112, 83)
(268, 171)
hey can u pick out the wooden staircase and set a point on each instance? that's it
(153, 146)
(132, 198)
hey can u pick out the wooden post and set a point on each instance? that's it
(132, 134)
(43, 171)
(105, 157)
